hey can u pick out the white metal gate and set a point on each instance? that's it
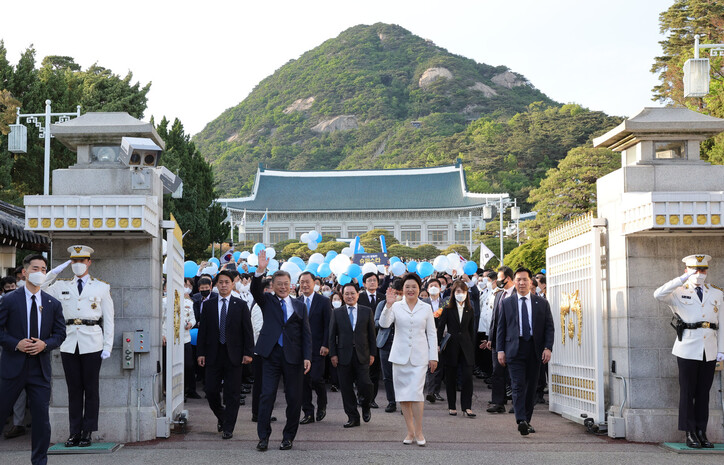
(575, 293)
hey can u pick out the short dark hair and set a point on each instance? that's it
(207, 275)
(7, 280)
(227, 273)
(507, 271)
(306, 273)
(396, 284)
(411, 276)
(280, 273)
(266, 283)
(350, 285)
(30, 258)
(492, 275)
(205, 281)
(534, 282)
(433, 280)
(542, 280)
(367, 275)
(523, 269)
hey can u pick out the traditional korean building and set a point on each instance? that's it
(13, 236)
(419, 205)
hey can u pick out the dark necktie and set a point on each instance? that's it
(525, 322)
(351, 317)
(284, 315)
(222, 322)
(700, 293)
(372, 301)
(80, 286)
(33, 318)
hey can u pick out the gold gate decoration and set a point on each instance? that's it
(571, 304)
(176, 316)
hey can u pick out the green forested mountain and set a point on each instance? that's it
(380, 97)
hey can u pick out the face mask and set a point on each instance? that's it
(241, 287)
(538, 290)
(79, 269)
(327, 293)
(460, 297)
(442, 287)
(501, 284)
(336, 303)
(37, 278)
(398, 298)
(205, 293)
(474, 281)
(433, 290)
(698, 279)
(187, 290)
(20, 283)
(316, 288)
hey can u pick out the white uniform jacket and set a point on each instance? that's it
(683, 300)
(415, 334)
(93, 304)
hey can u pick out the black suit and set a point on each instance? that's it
(224, 361)
(523, 357)
(287, 359)
(499, 378)
(319, 313)
(459, 352)
(376, 368)
(20, 371)
(353, 348)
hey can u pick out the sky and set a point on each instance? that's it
(205, 57)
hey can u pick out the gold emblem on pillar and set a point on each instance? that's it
(123, 222)
(72, 223)
(715, 219)
(660, 220)
(97, 223)
(700, 219)
(674, 219)
(33, 222)
(84, 223)
(176, 316)
(136, 222)
(59, 222)
(571, 304)
(688, 219)
(111, 223)
(45, 222)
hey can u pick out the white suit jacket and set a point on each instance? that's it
(415, 334)
(683, 300)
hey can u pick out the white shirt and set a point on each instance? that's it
(461, 307)
(354, 316)
(435, 303)
(38, 304)
(529, 306)
(371, 297)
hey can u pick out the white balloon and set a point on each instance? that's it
(273, 265)
(312, 245)
(381, 269)
(245, 254)
(211, 270)
(339, 264)
(369, 268)
(348, 252)
(398, 269)
(317, 258)
(313, 235)
(270, 253)
(293, 270)
(305, 238)
(454, 260)
(252, 260)
(440, 263)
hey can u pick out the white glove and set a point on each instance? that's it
(685, 277)
(105, 354)
(720, 357)
(59, 269)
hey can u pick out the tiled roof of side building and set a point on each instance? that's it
(394, 189)
(12, 229)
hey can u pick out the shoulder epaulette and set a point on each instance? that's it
(64, 279)
(717, 287)
(99, 280)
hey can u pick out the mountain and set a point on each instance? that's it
(380, 97)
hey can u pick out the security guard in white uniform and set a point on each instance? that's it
(701, 344)
(88, 313)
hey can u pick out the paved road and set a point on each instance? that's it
(456, 440)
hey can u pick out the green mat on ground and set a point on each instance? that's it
(95, 448)
(682, 447)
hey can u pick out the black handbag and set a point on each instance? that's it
(445, 340)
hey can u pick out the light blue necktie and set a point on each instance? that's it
(351, 316)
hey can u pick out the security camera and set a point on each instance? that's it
(139, 152)
(171, 182)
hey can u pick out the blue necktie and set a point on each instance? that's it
(80, 286)
(309, 303)
(284, 314)
(351, 317)
(525, 323)
(222, 322)
(700, 293)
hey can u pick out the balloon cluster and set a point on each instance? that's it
(312, 239)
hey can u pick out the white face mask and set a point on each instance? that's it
(37, 278)
(460, 297)
(327, 293)
(20, 283)
(698, 279)
(442, 288)
(241, 287)
(187, 290)
(474, 281)
(336, 303)
(79, 269)
(398, 298)
(433, 291)
(316, 288)
(538, 290)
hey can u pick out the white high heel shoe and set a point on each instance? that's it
(421, 443)
(407, 441)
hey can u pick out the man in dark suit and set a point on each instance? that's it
(352, 348)
(319, 310)
(499, 377)
(433, 381)
(31, 326)
(385, 337)
(225, 342)
(370, 297)
(285, 342)
(524, 339)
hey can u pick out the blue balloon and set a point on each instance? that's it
(312, 268)
(237, 255)
(425, 269)
(543, 270)
(215, 260)
(297, 261)
(412, 266)
(323, 271)
(194, 332)
(252, 269)
(470, 268)
(190, 269)
(354, 269)
(394, 260)
(344, 279)
(359, 280)
(258, 247)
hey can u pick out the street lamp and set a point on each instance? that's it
(18, 139)
(696, 70)
(488, 215)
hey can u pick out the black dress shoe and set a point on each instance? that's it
(245, 390)
(227, 435)
(496, 408)
(73, 440)
(306, 420)
(351, 424)
(523, 428)
(254, 418)
(430, 398)
(703, 440)
(15, 432)
(334, 388)
(242, 401)
(193, 395)
(373, 404)
(692, 440)
(366, 414)
(85, 439)
(391, 407)
(531, 429)
(262, 445)
(321, 413)
(438, 397)
(511, 410)
(286, 444)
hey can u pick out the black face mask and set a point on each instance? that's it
(205, 294)
(501, 284)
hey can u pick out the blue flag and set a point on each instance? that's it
(263, 218)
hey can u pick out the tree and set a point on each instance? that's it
(570, 189)
(531, 255)
(494, 244)
(459, 248)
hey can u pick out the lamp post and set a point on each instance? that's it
(17, 142)
(469, 220)
(696, 70)
(488, 215)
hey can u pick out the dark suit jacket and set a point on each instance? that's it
(342, 341)
(198, 299)
(509, 329)
(14, 327)
(493, 332)
(239, 332)
(319, 315)
(462, 335)
(297, 334)
(365, 300)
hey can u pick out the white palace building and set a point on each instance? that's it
(419, 205)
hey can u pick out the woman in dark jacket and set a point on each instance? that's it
(458, 318)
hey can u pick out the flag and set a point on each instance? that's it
(227, 256)
(263, 218)
(485, 255)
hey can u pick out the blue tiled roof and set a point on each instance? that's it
(397, 189)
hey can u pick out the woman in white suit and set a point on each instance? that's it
(414, 349)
